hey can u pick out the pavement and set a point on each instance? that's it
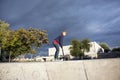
(98, 69)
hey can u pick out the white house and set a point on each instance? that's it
(94, 50)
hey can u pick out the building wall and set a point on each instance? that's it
(94, 50)
(51, 51)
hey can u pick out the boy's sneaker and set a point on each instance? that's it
(58, 60)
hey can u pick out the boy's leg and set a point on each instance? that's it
(57, 51)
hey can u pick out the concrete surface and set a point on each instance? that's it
(100, 69)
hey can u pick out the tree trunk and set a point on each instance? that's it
(31, 56)
(0, 55)
(0, 50)
(9, 56)
(82, 56)
(24, 56)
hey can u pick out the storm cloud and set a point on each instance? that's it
(97, 20)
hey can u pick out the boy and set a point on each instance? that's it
(58, 42)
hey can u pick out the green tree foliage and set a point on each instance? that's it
(9, 43)
(105, 46)
(3, 29)
(75, 49)
(116, 49)
(85, 45)
(78, 47)
(22, 41)
(4, 25)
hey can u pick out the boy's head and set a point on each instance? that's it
(64, 33)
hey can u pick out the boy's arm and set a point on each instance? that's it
(61, 41)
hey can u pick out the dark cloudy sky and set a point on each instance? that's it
(98, 20)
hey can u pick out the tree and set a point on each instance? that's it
(37, 37)
(3, 29)
(116, 49)
(32, 39)
(85, 46)
(78, 48)
(75, 48)
(4, 25)
(21, 41)
(105, 46)
(11, 43)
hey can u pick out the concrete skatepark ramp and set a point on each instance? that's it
(100, 69)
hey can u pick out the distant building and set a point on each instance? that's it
(95, 48)
(93, 53)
